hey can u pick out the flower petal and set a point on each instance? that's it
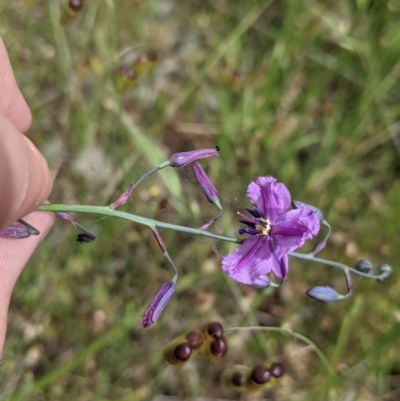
(293, 228)
(279, 264)
(270, 196)
(248, 262)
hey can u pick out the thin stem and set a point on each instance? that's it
(152, 171)
(328, 262)
(106, 211)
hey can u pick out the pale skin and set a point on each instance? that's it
(25, 183)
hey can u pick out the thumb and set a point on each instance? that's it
(25, 179)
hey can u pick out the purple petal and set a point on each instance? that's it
(293, 228)
(248, 262)
(270, 196)
(157, 305)
(279, 264)
(318, 213)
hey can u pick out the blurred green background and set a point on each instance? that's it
(306, 91)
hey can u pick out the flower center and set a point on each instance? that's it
(264, 226)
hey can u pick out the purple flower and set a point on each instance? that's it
(272, 232)
(182, 159)
(157, 304)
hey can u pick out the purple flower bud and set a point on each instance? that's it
(261, 282)
(184, 158)
(364, 265)
(208, 188)
(323, 294)
(385, 271)
(318, 214)
(19, 231)
(157, 305)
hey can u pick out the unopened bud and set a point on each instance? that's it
(182, 159)
(277, 370)
(364, 265)
(157, 305)
(385, 271)
(260, 374)
(323, 294)
(208, 188)
(19, 231)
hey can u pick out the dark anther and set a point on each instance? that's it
(277, 370)
(182, 352)
(238, 379)
(248, 223)
(85, 237)
(249, 231)
(254, 212)
(260, 374)
(219, 347)
(217, 148)
(215, 329)
(195, 339)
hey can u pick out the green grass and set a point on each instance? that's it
(306, 91)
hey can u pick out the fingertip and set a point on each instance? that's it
(24, 175)
(12, 102)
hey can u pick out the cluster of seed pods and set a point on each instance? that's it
(244, 378)
(209, 341)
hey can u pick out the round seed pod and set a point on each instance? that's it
(219, 347)
(195, 338)
(277, 370)
(214, 329)
(260, 374)
(178, 352)
(75, 5)
(236, 378)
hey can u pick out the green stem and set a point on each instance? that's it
(338, 265)
(107, 211)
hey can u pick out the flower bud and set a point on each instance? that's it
(208, 188)
(86, 237)
(19, 231)
(157, 305)
(323, 294)
(364, 265)
(182, 159)
(261, 282)
(385, 271)
(318, 214)
(214, 329)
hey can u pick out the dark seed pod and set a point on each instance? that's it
(178, 351)
(238, 379)
(182, 352)
(260, 374)
(195, 338)
(215, 329)
(127, 73)
(219, 347)
(75, 5)
(277, 370)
